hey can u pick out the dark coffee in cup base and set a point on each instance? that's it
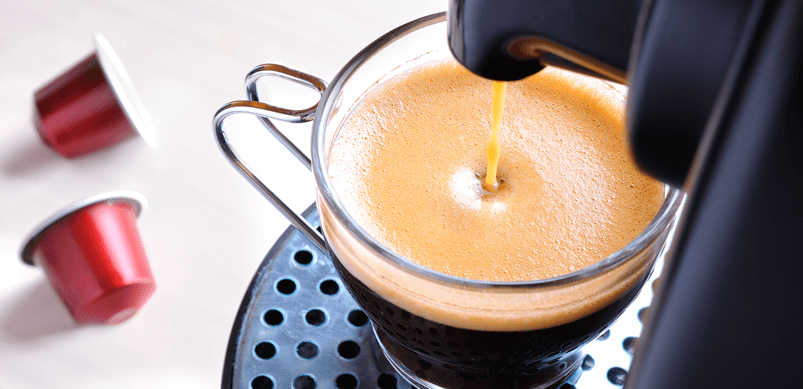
(456, 357)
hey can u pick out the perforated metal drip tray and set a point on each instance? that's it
(298, 327)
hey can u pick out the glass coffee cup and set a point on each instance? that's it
(439, 330)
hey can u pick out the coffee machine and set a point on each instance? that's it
(715, 105)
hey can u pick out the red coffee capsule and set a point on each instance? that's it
(93, 255)
(91, 106)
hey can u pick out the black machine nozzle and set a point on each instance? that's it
(510, 40)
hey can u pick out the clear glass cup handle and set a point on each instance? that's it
(265, 112)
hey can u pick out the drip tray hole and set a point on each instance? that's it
(304, 382)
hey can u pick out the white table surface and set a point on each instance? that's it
(207, 229)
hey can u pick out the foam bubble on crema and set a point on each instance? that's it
(408, 161)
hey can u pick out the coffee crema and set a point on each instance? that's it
(409, 161)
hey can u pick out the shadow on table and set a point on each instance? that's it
(28, 155)
(37, 313)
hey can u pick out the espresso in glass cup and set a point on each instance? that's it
(444, 326)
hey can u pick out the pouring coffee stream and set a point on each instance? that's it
(491, 183)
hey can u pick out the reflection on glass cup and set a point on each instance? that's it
(439, 330)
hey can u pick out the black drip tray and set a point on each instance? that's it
(298, 327)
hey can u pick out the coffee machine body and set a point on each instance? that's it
(714, 105)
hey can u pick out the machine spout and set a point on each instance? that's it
(507, 40)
